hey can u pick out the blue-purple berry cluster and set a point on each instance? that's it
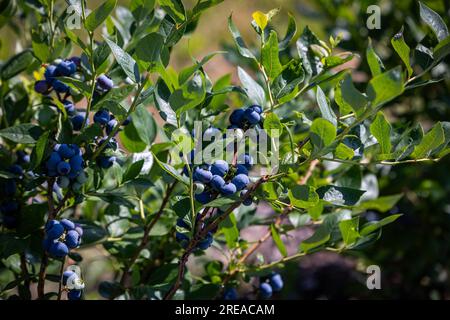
(269, 285)
(73, 284)
(245, 118)
(182, 235)
(67, 164)
(61, 237)
(62, 68)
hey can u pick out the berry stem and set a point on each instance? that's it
(61, 272)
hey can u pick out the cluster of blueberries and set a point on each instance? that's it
(73, 283)
(66, 163)
(183, 239)
(61, 236)
(10, 206)
(61, 68)
(268, 285)
(108, 122)
(245, 118)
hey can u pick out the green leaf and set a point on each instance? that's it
(349, 230)
(16, 64)
(386, 87)
(40, 47)
(141, 8)
(131, 139)
(290, 33)
(254, 91)
(127, 63)
(96, 17)
(171, 171)
(89, 133)
(381, 204)
(269, 56)
(311, 65)
(241, 46)
(375, 64)
(344, 152)
(175, 9)
(288, 80)
(39, 150)
(403, 50)
(434, 21)
(371, 227)
(145, 124)
(303, 196)
(348, 98)
(190, 95)
(25, 133)
(223, 201)
(78, 85)
(339, 195)
(230, 230)
(148, 49)
(322, 133)
(320, 237)
(381, 130)
(272, 122)
(325, 108)
(277, 239)
(133, 171)
(186, 73)
(433, 139)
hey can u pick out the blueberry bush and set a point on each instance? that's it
(113, 148)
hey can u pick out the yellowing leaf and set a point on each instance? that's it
(261, 19)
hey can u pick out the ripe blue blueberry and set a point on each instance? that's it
(230, 294)
(41, 87)
(181, 223)
(79, 229)
(265, 290)
(73, 239)
(68, 275)
(67, 224)
(228, 189)
(76, 163)
(22, 157)
(53, 160)
(205, 243)
(127, 121)
(67, 151)
(246, 160)
(241, 169)
(202, 175)
(237, 116)
(102, 116)
(74, 294)
(256, 108)
(182, 239)
(58, 249)
(203, 197)
(63, 182)
(252, 116)
(105, 82)
(50, 73)
(60, 86)
(276, 282)
(106, 162)
(66, 68)
(217, 182)
(111, 125)
(54, 229)
(63, 168)
(240, 181)
(219, 167)
(76, 60)
(70, 107)
(77, 121)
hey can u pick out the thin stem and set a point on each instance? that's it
(25, 275)
(94, 75)
(61, 272)
(390, 163)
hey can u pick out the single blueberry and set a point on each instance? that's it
(63, 168)
(50, 73)
(241, 169)
(203, 197)
(55, 231)
(265, 290)
(79, 229)
(248, 201)
(276, 282)
(58, 250)
(252, 116)
(66, 68)
(106, 162)
(181, 223)
(105, 82)
(41, 87)
(205, 243)
(237, 116)
(76, 163)
(67, 275)
(66, 151)
(76, 60)
(217, 182)
(53, 160)
(73, 239)
(182, 239)
(47, 243)
(256, 108)
(219, 167)
(63, 182)
(60, 86)
(67, 224)
(77, 121)
(102, 116)
(70, 107)
(240, 181)
(230, 294)
(74, 294)
(228, 189)
(202, 175)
